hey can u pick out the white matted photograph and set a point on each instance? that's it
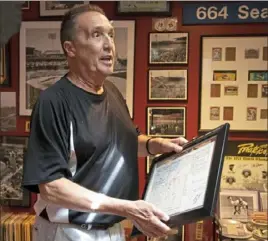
(166, 121)
(168, 48)
(42, 61)
(168, 84)
(8, 109)
(238, 205)
(58, 8)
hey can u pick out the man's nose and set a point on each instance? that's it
(108, 42)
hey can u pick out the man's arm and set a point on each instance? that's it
(158, 145)
(68, 194)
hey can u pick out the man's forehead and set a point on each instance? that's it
(93, 19)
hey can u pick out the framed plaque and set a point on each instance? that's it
(185, 185)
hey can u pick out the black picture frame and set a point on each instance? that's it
(168, 48)
(13, 147)
(216, 142)
(138, 11)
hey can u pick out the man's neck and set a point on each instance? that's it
(86, 83)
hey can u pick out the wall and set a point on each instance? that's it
(143, 27)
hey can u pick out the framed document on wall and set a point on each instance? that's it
(234, 79)
(185, 185)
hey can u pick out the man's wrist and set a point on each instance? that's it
(149, 140)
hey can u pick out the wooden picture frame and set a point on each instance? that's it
(168, 48)
(233, 71)
(166, 121)
(12, 149)
(168, 84)
(57, 8)
(142, 8)
(27, 126)
(38, 38)
(177, 234)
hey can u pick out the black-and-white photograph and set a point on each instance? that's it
(238, 205)
(42, 61)
(168, 84)
(8, 118)
(252, 53)
(168, 48)
(57, 8)
(12, 151)
(166, 121)
(123, 74)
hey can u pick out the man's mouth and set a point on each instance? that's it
(107, 59)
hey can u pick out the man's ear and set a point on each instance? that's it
(69, 48)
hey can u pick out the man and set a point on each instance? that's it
(83, 146)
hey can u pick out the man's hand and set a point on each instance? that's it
(162, 145)
(147, 218)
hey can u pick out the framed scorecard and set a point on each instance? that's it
(185, 185)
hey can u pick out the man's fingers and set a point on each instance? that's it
(160, 214)
(180, 141)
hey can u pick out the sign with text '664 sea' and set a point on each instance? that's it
(224, 13)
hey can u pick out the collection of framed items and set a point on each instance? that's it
(234, 85)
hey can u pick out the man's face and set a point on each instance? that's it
(94, 47)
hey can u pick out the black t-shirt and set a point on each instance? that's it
(87, 138)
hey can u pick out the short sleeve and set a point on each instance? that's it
(47, 153)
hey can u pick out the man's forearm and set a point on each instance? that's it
(70, 195)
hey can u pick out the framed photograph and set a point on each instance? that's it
(57, 8)
(168, 48)
(40, 41)
(166, 121)
(135, 8)
(168, 84)
(233, 72)
(4, 67)
(185, 185)
(8, 114)
(245, 166)
(12, 149)
(238, 205)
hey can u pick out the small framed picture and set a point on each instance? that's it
(224, 75)
(216, 54)
(27, 126)
(4, 67)
(251, 114)
(238, 204)
(264, 91)
(230, 90)
(58, 8)
(8, 117)
(252, 53)
(168, 48)
(215, 113)
(166, 121)
(12, 149)
(135, 8)
(215, 90)
(258, 75)
(168, 84)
